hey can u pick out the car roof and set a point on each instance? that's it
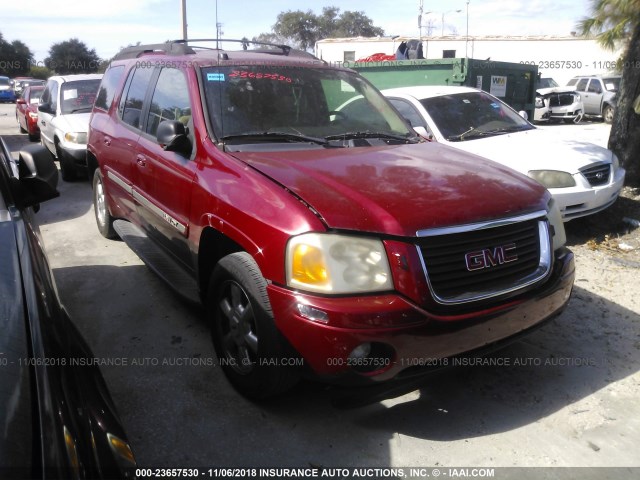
(429, 91)
(73, 78)
(207, 56)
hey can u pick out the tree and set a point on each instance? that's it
(616, 22)
(71, 57)
(15, 58)
(304, 29)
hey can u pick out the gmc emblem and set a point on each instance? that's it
(488, 258)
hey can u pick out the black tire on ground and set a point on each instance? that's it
(251, 350)
(34, 138)
(607, 114)
(104, 220)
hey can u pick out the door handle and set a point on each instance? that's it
(141, 160)
(107, 141)
(43, 123)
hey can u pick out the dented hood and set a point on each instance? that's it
(398, 190)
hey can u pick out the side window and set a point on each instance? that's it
(46, 95)
(130, 107)
(594, 86)
(582, 84)
(170, 100)
(54, 96)
(408, 111)
(107, 90)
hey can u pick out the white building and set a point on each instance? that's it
(558, 57)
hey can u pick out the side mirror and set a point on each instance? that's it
(38, 177)
(523, 114)
(172, 136)
(423, 133)
(21, 101)
(46, 108)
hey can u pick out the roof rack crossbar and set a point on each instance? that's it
(245, 43)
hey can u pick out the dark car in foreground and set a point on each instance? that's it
(338, 241)
(57, 417)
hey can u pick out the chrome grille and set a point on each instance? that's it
(445, 258)
(561, 100)
(598, 174)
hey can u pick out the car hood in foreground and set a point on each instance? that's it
(536, 150)
(398, 190)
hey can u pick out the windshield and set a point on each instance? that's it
(266, 103)
(547, 83)
(612, 83)
(472, 115)
(4, 82)
(78, 96)
(36, 93)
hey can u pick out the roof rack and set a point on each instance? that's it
(182, 47)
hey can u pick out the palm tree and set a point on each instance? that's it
(615, 22)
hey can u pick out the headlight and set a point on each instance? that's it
(76, 137)
(615, 161)
(539, 102)
(555, 220)
(33, 114)
(553, 178)
(330, 263)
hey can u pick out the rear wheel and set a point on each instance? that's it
(254, 355)
(104, 220)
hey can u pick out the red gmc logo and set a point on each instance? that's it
(488, 258)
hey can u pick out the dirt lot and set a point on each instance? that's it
(566, 396)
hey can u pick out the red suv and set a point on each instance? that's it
(323, 236)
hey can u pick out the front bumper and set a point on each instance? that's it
(424, 339)
(583, 199)
(75, 153)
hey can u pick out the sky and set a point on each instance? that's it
(108, 25)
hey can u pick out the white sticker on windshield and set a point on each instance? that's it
(69, 94)
(610, 86)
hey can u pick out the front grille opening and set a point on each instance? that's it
(598, 174)
(475, 264)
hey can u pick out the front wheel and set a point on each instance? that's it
(104, 220)
(607, 114)
(67, 168)
(255, 357)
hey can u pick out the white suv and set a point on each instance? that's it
(63, 118)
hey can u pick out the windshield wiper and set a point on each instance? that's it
(292, 137)
(76, 110)
(513, 128)
(473, 132)
(355, 135)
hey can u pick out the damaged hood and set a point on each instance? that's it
(398, 190)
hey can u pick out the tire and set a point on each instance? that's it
(67, 168)
(104, 220)
(607, 114)
(34, 137)
(248, 345)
